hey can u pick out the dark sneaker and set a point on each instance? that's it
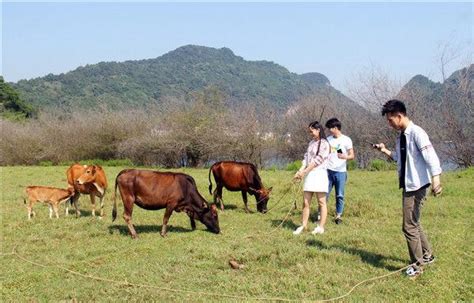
(414, 271)
(428, 259)
(338, 220)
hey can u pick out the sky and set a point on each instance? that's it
(338, 40)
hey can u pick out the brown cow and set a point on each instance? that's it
(154, 190)
(87, 179)
(239, 176)
(51, 195)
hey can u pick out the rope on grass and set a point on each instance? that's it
(294, 188)
(202, 293)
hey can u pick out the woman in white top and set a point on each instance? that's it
(315, 176)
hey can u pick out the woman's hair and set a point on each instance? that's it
(322, 135)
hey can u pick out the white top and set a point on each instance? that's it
(343, 143)
(422, 160)
(312, 155)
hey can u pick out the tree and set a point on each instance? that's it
(11, 106)
(456, 104)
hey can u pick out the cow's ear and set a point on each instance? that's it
(270, 189)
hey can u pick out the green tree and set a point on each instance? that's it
(11, 106)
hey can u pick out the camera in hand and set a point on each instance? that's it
(339, 151)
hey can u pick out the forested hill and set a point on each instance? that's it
(176, 74)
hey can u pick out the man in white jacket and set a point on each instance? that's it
(418, 168)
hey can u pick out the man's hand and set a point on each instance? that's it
(381, 147)
(341, 156)
(436, 188)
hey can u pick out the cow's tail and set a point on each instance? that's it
(114, 209)
(210, 181)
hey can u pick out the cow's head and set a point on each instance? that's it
(209, 218)
(262, 196)
(88, 176)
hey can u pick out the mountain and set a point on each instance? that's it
(430, 99)
(445, 110)
(178, 73)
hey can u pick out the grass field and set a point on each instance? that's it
(277, 264)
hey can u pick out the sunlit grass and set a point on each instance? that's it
(276, 264)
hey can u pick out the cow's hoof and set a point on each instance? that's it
(135, 236)
(100, 217)
(163, 235)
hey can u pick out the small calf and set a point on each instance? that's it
(51, 195)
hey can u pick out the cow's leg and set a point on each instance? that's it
(127, 216)
(76, 204)
(30, 210)
(55, 208)
(244, 197)
(50, 211)
(219, 195)
(166, 217)
(193, 223)
(93, 204)
(101, 207)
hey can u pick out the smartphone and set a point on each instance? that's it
(374, 145)
(339, 151)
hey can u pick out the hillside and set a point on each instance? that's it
(176, 74)
(433, 102)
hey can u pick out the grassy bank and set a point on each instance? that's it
(277, 264)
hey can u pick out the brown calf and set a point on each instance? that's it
(51, 195)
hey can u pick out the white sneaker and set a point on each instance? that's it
(299, 230)
(318, 230)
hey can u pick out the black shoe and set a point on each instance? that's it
(338, 220)
(428, 259)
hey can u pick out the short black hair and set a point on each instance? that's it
(334, 122)
(394, 106)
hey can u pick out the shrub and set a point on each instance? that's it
(379, 165)
(45, 163)
(352, 164)
(294, 166)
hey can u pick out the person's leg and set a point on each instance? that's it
(425, 244)
(306, 207)
(331, 179)
(411, 226)
(307, 195)
(340, 184)
(323, 206)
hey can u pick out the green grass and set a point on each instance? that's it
(277, 264)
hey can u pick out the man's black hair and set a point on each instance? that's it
(334, 122)
(394, 106)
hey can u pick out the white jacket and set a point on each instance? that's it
(422, 162)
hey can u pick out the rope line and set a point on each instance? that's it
(177, 290)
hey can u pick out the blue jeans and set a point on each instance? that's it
(338, 180)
